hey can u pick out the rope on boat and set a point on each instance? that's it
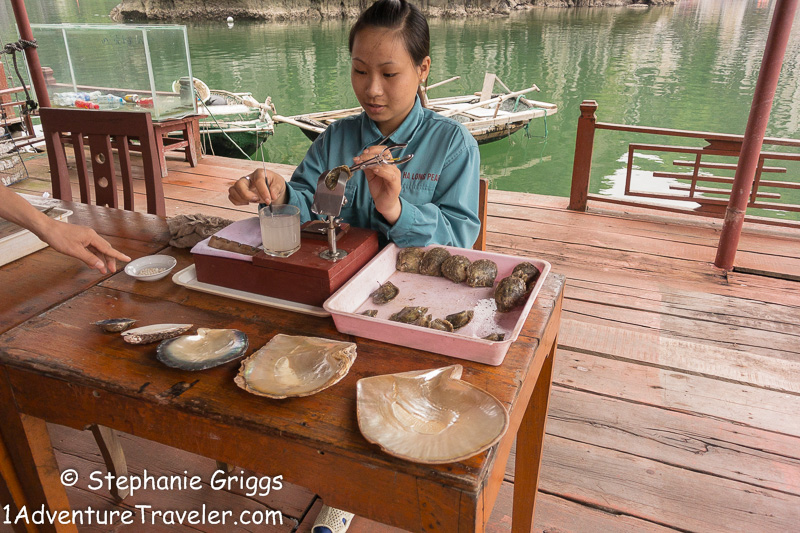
(12, 49)
(223, 131)
(527, 131)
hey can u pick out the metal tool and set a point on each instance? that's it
(329, 196)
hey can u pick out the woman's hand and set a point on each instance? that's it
(384, 185)
(261, 185)
(83, 243)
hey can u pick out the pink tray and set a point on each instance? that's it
(442, 297)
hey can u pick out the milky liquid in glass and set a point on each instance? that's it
(280, 229)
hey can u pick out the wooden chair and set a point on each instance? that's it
(483, 207)
(104, 130)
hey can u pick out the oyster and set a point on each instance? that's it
(294, 366)
(441, 324)
(114, 325)
(481, 273)
(332, 179)
(155, 332)
(409, 315)
(495, 336)
(385, 293)
(425, 321)
(206, 349)
(429, 416)
(527, 273)
(459, 320)
(408, 259)
(454, 268)
(431, 264)
(372, 313)
(510, 292)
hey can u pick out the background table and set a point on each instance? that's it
(80, 376)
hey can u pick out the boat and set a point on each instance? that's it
(488, 116)
(231, 124)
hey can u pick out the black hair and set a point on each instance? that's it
(401, 16)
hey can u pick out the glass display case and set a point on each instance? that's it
(118, 67)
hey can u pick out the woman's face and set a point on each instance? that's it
(384, 77)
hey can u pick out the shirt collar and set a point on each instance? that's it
(403, 134)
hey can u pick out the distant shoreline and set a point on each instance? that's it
(284, 10)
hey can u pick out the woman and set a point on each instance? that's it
(432, 199)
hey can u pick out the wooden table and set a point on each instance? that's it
(80, 375)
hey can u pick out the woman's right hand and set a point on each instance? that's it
(261, 186)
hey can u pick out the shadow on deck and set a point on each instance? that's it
(676, 394)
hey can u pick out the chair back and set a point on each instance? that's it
(104, 130)
(483, 207)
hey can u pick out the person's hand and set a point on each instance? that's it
(83, 243)
(259, 186)
(384, 185)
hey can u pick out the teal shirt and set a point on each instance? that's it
(439, 195)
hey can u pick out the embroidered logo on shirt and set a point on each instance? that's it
(417, 176)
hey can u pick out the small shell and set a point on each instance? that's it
(495, 336)
(441, 324)
(409, 315)
(154, 333)
(459, 320)
(372, 313)
(408, 259)
(454, 268)
(527, 273)
(385, 293)
(481, 273)
(510, 293)
(206, 349)
(431, 264)
(294, 366)
(425, 321)
(115, 325)
(332, 179)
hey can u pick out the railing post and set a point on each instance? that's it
(582, 164)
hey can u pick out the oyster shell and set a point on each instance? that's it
(408, 259)
(372, 313)
(154, 333)
(495, 336)
(481, 273)
(509, 293)
(293, 366)
(527, 273)
(459, 320)
(429, 416)
(409, 315)
(431, 264)
(385, 293)
(441, 324)
(454, 268)
(425, 321)
(205, 349)
(115, 325)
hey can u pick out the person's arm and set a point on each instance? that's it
(73, 240)
(451, 217)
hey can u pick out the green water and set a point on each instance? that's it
(692, 66)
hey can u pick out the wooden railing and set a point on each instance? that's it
(697, 184)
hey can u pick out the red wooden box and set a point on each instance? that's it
(302, 277)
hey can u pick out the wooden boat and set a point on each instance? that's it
(488, 116)
(233, 124)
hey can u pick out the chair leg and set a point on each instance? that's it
(113, 456)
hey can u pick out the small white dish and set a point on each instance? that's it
(151, 267)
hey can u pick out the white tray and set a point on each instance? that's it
(188, 278)
(19, 241)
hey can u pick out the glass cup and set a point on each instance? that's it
(280, 229)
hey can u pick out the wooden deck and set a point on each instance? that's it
(676, 397)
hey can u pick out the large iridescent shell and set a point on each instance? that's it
(429, 416)
(293, 366)
(205, 349)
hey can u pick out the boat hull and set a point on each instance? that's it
(482, 137)
(228, 146)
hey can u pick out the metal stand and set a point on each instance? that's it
(332, 254)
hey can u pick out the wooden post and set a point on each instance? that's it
(582, 165)
(34, 67)
(778, 37)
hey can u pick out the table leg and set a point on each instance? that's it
(28, 444)
(530, 439)
(11, 491)
(157, 133)
(191, 146)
